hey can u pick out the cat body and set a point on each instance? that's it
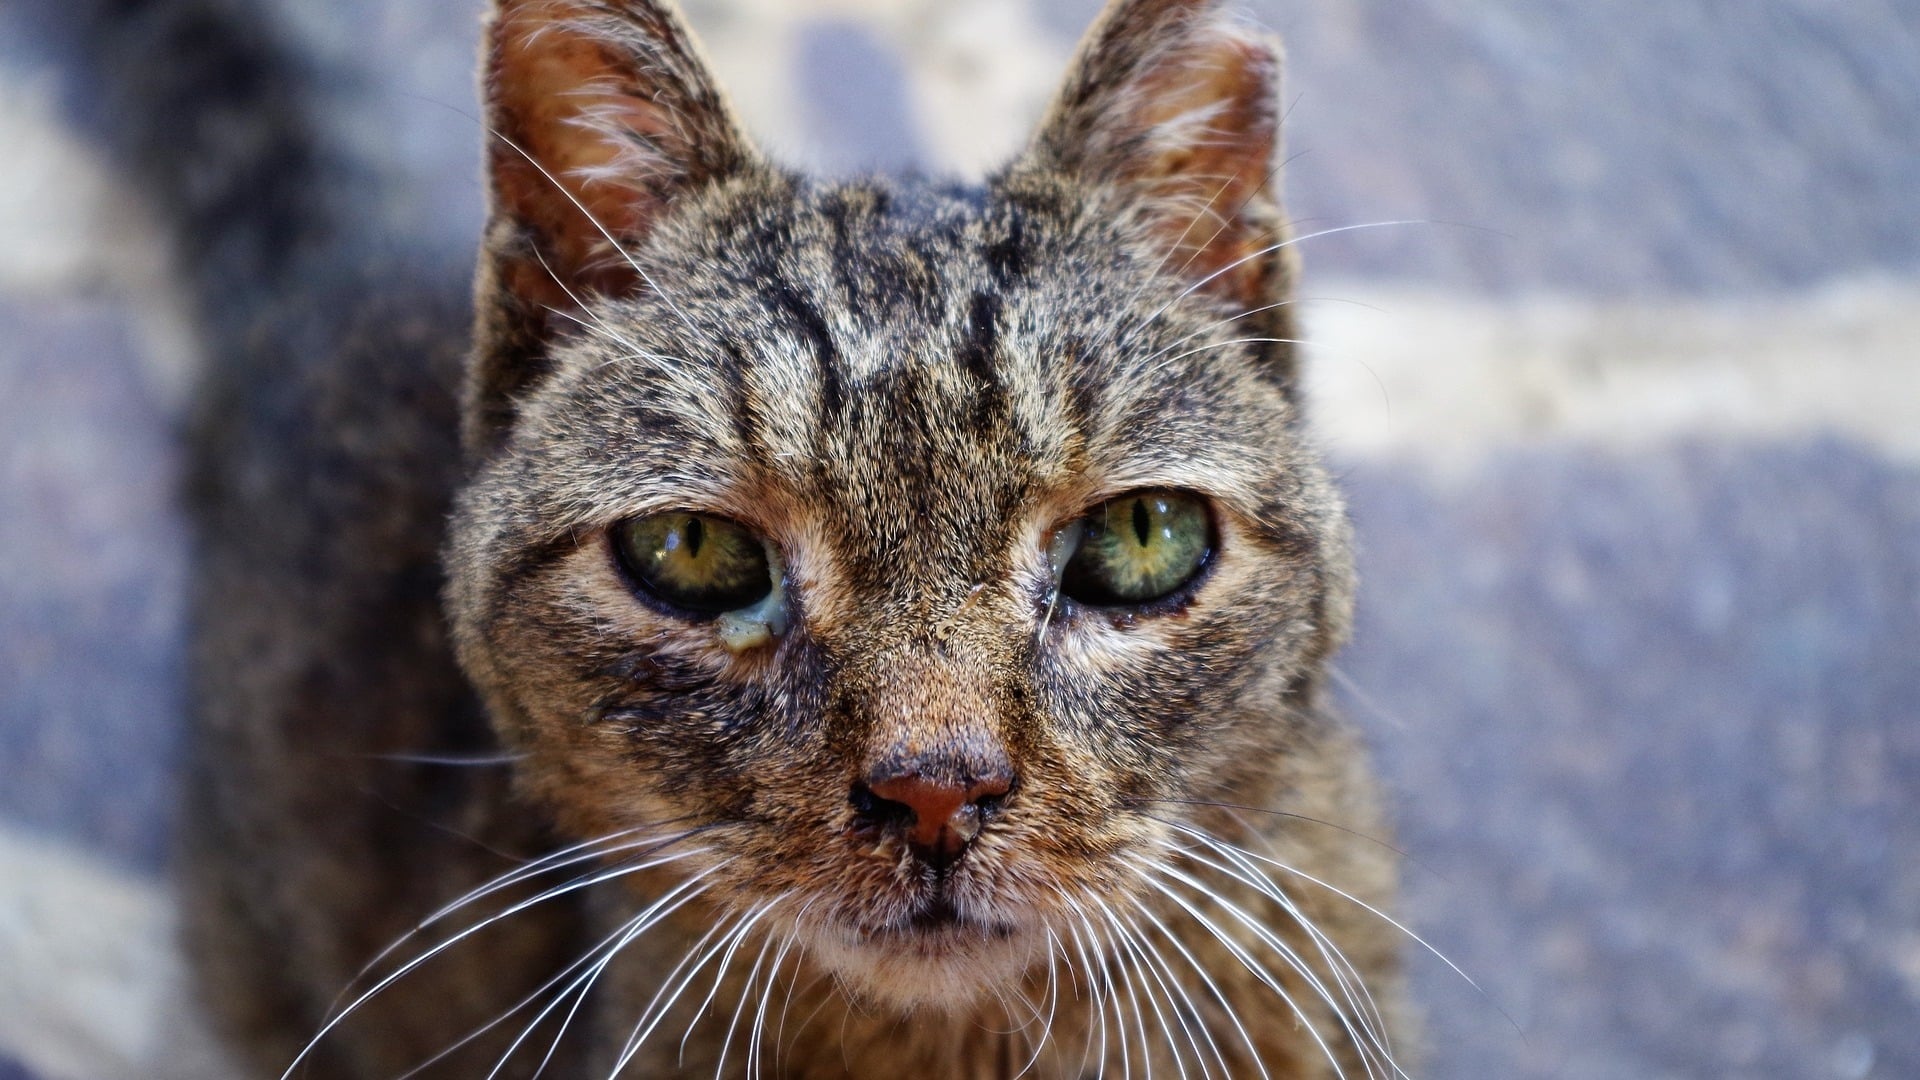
(881, 628)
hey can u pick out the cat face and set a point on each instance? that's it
(909, 555)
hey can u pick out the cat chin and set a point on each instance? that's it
(911, 969)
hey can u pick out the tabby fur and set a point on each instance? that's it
(906, 386)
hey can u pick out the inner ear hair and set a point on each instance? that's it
(1172, 107)
(603, 116)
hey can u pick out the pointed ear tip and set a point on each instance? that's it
(1232, 28)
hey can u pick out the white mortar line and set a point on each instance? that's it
(1448, 380)
(91, 982)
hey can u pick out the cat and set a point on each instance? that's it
(816, 628)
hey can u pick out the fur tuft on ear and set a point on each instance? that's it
(1175, 104)
(600, 115)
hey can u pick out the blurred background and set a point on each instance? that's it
(1628, 408)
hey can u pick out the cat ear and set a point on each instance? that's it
(600, 114)
(1176, 104)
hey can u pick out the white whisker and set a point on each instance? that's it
(735, 939)
(1053, 1002)
(1149, 954)
(740, 1007)
(1102, 969)
(409, 966)
(586, 851)
(1219, 997)
(1337, 891)
(609, 947)
(1345, 974)
(1094, 997)
(1210, 346)
(1247, 960)
(1126, 956)
(614, 243)
(1259, 254)
(757, 1042)
(642, 1028)
(1170, 984)
(671, 991)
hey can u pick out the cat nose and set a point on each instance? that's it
(938, 817)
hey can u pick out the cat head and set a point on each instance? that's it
(921, 548)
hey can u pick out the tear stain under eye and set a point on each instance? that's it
(752, 627)
(1063, 546)
(1060, 552)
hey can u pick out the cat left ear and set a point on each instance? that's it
(1175, 103)
(600, 115)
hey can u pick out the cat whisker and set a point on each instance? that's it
(1293, 301)
(1210, 346)
(820, 1003)
(1249, 961)
(1093, 994)
(671, 991)
(1127, 954)
(1224, 847)
(786, 1005)
(1012, 1002)
(1331, 952)
(1352, 988)
(1102, 943)
(631, 262)
(1231, 850)
(757, 1042)
(598, 327)
(609, 946)
(1361, 1018)
(740, 1007)
(1183, 1008)
(1261, 253)
(585, 851)
(1100, 976)
(1226, 221)
(1206, 979)
(1199, 215)
(733, 943)
(1287, 814)
(406, 968)
(1045, 1038)
(448, 759)
(1366, 700)
(1218, 323)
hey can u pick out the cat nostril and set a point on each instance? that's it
(872, 810)
(939, 818)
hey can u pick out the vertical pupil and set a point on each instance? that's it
(1141, 520)
(695, 534)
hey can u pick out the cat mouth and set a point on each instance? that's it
(933, 954)
(939, 916)
(934, 924)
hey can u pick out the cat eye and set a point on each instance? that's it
(696, 562)
(1135, 549)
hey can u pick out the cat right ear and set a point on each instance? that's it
(600, 115)
(1174, 106)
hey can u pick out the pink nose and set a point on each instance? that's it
(938, 818)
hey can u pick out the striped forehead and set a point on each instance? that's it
(858, 351)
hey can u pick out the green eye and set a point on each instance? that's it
(1137, 548)
(703, 564)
